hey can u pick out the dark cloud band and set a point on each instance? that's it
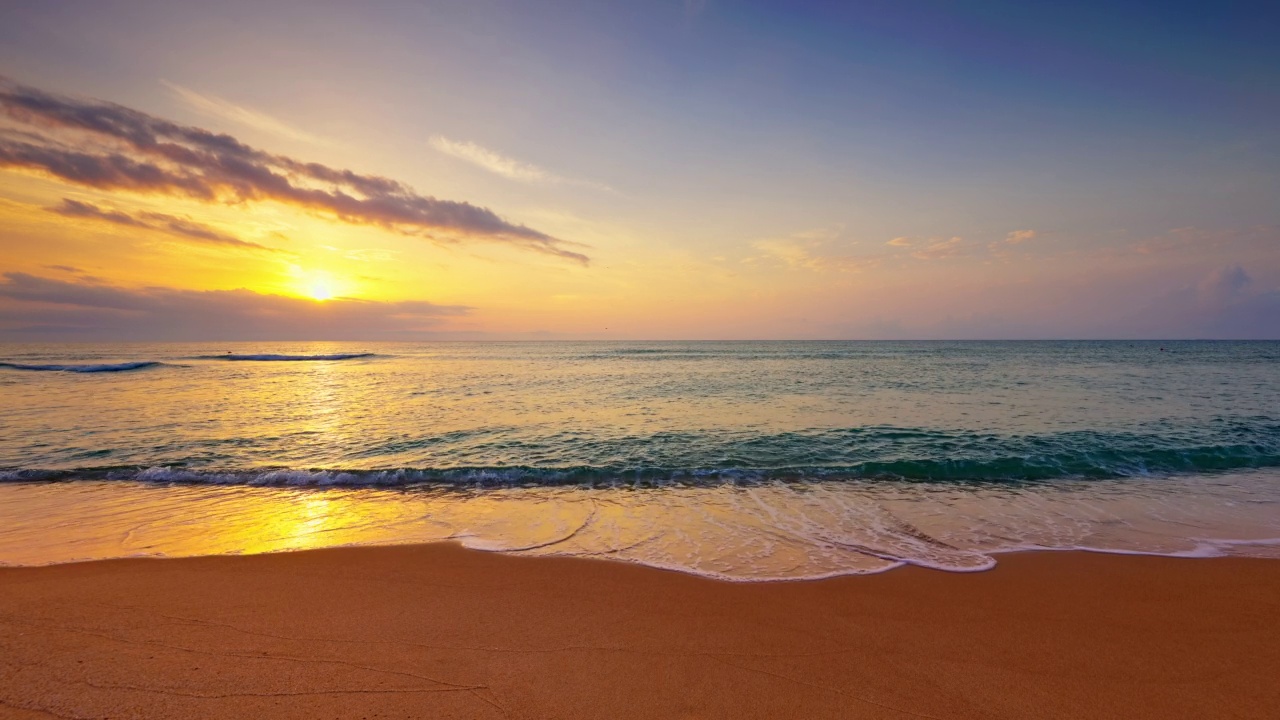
(162, 313)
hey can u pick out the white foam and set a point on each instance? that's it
(744, 534)
(282, 477)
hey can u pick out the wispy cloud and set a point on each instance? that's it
(1189, 239)
(370, 255)
(818, 250)
(938, 248)
(492, 161)
(1004, 249)
(226, 110)
(182, 227)
(100, 310)
(930, 248)
(507, 167)
(112, 147)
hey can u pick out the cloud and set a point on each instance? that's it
(370, 254)
(1193, 239)
(498, 164)
(75, 208)
(940, 248)
(491, 161)
(112, 147)
(931, 248)
(185, 228)
(1003, 249)
(1224, 285)
(812, 250)
(226, 110)
(91, 310)
(1228, 302)
(1223, 303)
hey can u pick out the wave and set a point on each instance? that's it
(998, 471)
(85, 368)
(501, 455)
(668, 351)
(285, 358)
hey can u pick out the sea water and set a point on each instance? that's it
(738, 460)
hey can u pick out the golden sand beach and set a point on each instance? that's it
(437, 631)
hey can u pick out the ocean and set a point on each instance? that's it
(735, 460)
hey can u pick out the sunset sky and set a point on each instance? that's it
(638, 170)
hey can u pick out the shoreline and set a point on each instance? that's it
(748, 533)
(999, 556)
(437, 630)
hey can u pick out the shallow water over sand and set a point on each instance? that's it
(754, 532)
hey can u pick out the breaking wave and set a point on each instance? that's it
(1099, 466)
(85, 368)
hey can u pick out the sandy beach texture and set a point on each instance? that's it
(437, 631)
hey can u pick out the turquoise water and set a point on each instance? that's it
(740, 460)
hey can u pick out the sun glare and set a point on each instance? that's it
(320, 286)
(321, 290)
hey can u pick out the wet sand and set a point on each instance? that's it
(436, 631)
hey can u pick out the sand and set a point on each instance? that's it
(437, 631)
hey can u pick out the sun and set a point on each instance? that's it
(320, 286)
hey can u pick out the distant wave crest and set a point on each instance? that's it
(85, 368)
(286, 358)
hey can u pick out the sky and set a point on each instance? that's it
(697, 169)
